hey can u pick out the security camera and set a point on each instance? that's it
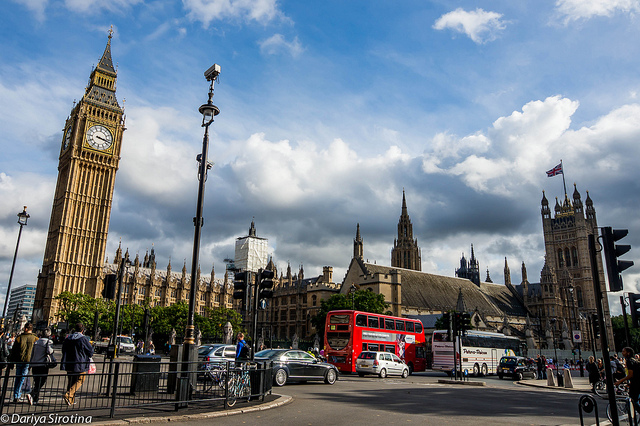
(212, 73)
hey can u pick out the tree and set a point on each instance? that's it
(361, 300)
(617, 325)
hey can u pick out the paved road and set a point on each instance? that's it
(416, 400)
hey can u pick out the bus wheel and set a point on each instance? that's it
(484, 370)
(476, 370)
(383, 373)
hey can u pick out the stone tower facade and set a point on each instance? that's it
(405, 253)
(470, 269)
(89, 158)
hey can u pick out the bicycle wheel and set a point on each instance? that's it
(600, 388)
(621, 408)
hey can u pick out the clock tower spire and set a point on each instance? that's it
(87, 165)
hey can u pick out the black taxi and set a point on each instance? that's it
(517, 367)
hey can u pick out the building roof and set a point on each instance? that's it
(439, 293)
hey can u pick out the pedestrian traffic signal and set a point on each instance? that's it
(109, 289)
(265, 287)
(456, 323)
(240, 285)
(634, 307)
(611, 253)
(465, 322)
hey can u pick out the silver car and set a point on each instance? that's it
(381, 363)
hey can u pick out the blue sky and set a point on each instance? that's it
(328, 110)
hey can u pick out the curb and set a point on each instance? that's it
(282, 400)
(555, 388)
(458, 382)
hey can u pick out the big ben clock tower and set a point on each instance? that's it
(89, 157)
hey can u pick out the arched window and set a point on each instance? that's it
(560, 259)
(314, 300)
(574, 256)
(567, 257)
(579, 297)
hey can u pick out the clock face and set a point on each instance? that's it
(66, 140)
(99, 137)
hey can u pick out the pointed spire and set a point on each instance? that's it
(252, 229)
(460, 305)
(106, 63)
(358, 247)
(404, 203)
(488, 279)
(507, 272)
(524, 273)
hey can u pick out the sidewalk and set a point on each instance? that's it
(121, 421)
(580, 384)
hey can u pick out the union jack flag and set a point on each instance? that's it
(557, 170)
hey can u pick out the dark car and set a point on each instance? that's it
(212, 356)
(517, 367)
(294, 365)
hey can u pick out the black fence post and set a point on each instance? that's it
(112, 413)
(5, 384)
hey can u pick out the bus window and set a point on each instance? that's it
(421, 352)
(338, 341)
(399, 325)
(373, 322)
(389, 348)
(371, 347)
(410, 326)
(339, 319)
(418, 327)
(361, 320)
(388, 324)
(440, 337)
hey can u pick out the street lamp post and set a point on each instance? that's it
(22, 220)
(208, 111)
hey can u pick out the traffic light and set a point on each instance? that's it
(446, 324)
(109, 289)
(265, 287)
(611, 253)
(634, 307)
(456, 323)
(465, 322)
(595, 324)
(240, 285)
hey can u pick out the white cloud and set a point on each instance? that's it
(89, 6)
(38, 7)
(206, 11)
(479, 25)
(277, 44)
(574, 10)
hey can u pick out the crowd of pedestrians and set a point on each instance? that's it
(35, 353)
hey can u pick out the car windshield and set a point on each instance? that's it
(269, 353)
(125, 339)
(508, 361)
(203, 350)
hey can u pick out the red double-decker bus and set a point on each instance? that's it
(347, 333)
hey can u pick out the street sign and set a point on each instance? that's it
(577, 336)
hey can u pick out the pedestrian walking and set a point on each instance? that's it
(242, 350)
(42, 349)
(76, 354)
(4, 350)
(20, 357)
(593, 372)
(541, 367)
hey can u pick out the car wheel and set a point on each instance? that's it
(383, 373)
(405, 373)
(484, 370)
(476, 370)
(331, 377)
(519, 376)
(280, 378)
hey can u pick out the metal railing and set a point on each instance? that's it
(139, 383)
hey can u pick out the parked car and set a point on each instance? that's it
(294, 365)
(381, 363)
(216, 354)
(517, 367)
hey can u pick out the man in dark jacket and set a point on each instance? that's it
(21, 356)
(76, 351)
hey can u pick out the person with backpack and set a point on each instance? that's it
(40, 364)
(242, 349)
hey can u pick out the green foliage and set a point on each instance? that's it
(360, 300)
(617, 324)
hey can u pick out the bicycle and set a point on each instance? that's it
(214, 376)
(625, 408)
(600, 388)
(239, 385)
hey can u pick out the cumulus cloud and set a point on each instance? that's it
(574, 10)
(207, 11)
(479, 25)
(277, 44)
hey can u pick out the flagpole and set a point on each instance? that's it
(563, 181)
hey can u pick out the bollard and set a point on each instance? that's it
(551, 378)
(568, 382)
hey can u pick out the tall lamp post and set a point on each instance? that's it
(208, 111)
(22, 220)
